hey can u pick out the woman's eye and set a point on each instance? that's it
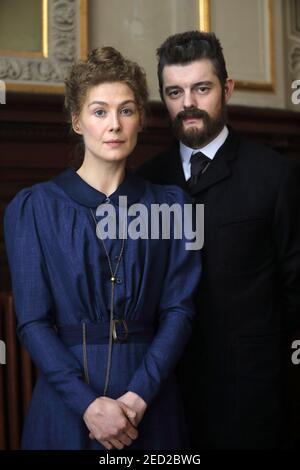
(100, 112)
(126, 111)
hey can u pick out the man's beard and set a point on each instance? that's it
(194, 137)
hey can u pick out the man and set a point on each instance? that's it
(234, 373)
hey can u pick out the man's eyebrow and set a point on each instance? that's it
(202, 83)
(103, 103)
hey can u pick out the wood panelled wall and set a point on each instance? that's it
(36, 143)
(17, 378)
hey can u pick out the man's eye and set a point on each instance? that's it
(100, 112)
(202, 89)
(174, 93)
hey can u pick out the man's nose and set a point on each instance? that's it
(188, 100)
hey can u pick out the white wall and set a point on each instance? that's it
(138, 27)
(244, 28)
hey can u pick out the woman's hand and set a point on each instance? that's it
(135, 403)
(110, 422)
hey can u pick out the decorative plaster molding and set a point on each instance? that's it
(292, 23)
(66, 20)
(294, 61)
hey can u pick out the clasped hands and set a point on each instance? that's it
(114, 422)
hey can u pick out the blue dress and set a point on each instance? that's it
(61, 280)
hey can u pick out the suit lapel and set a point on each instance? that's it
(220, 167)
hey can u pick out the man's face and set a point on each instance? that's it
(195, 101)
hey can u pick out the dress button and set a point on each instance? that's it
(107, 200)
(119, 281)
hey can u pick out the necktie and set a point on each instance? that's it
(199, 163)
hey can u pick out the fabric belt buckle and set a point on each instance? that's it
(117, 337)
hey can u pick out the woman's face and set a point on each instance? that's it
(109, 122)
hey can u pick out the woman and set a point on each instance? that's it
(104, 319)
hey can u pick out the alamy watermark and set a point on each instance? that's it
(296, 354)
(2, 92)
(295, 97)
(157, 221)
(2, 352)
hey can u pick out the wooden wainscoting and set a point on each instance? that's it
(17, 378)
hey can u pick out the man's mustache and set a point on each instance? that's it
(191, 113)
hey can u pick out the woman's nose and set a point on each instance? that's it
(114, 124)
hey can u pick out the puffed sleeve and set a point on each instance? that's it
(176, 311)
(34, 306)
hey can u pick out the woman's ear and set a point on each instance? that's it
(76, 124)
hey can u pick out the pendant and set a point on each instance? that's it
(113, 279)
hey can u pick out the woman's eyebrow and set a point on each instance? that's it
(103, 103)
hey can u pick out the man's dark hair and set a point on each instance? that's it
(183, 48)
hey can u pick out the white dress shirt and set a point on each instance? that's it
(209, 150)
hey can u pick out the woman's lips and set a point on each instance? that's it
(114, 143)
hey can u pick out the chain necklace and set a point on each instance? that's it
(113, 280)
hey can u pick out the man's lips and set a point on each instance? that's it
(191, 120)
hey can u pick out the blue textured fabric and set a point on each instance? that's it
(60, 276)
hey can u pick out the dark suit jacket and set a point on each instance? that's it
(234, 372)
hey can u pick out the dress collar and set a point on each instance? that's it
(77, 189)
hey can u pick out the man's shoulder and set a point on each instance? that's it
(258, 153)
(251, 146)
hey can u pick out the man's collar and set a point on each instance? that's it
(209, 150)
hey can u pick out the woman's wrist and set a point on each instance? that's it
(136, 403)
(136, 400)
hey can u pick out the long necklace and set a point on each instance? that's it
(113, 279)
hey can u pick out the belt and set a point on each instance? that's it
(124, 331)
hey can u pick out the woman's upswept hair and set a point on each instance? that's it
(102, 66)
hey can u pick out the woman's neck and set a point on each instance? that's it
(106, 177)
